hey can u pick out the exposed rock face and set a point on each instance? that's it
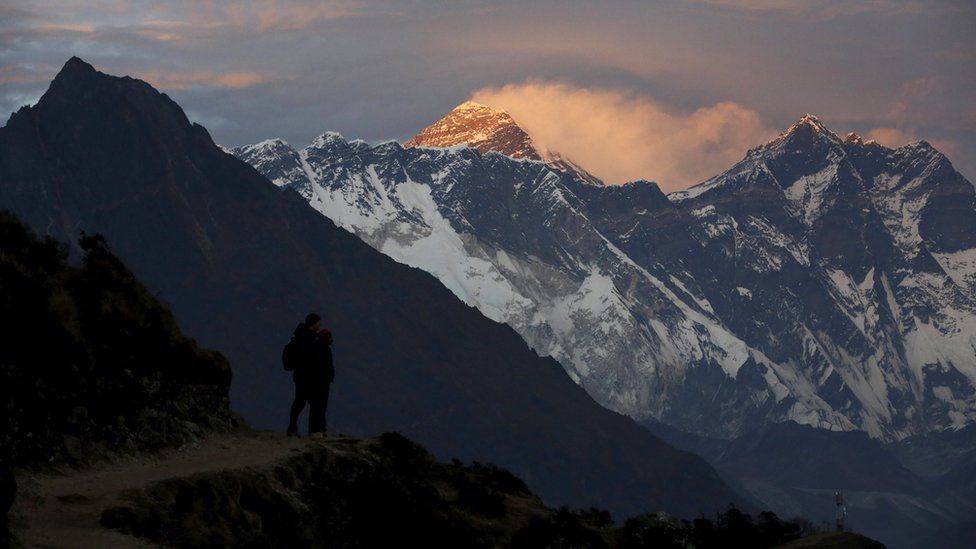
(488, 130)
(240, 262)
(855, 262)
(481, 127)
(275, 159)
(819, 280)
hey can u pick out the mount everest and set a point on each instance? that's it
(823, 280)
(488, 129)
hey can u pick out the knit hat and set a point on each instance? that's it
(311, 319)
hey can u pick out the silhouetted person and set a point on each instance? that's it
(309, 354)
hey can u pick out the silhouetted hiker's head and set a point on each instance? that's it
(312, 321)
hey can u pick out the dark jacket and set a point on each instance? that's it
(315, 356)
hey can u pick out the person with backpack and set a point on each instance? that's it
(308, 355)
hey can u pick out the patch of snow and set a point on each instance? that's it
(900, 205)
(808, 195)
(442, 253)
(699, 300)
(960, 266)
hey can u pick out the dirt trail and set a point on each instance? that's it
(63, 510)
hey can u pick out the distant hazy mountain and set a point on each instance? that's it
(796, 470)
(827, 281)
(240, 262)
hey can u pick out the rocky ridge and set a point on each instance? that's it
(821, 280)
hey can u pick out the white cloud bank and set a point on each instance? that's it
(620, 137)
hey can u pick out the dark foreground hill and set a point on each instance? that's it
(265, 490)
(389, 492)
(240, 262)
(92, 366)
(91, 363)
(834, 540)
(120, 427)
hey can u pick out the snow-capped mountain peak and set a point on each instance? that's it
(481, 127)
(268, 145)
(327, 139)
(808, 123)
(275, 158)
(853, 138)
(488, 129)
(807, 133)
(823, 280)
(468, 106)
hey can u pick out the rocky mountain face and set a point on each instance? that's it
(853, 264)
(491, 130)
(481, 127)
(240, 261)
(822, 280)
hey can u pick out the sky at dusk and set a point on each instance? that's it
(672, 91)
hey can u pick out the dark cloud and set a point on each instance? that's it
(383, 69)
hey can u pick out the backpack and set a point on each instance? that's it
(290, 355)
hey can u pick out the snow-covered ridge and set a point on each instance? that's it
(475, 106)
(744, 301)
(809, 125)
(275, 158)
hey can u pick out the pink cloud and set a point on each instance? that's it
(203, 79)
(894, 137)
(621, 137)
(970, 119)
(268, 15)
(26, 74)
(891, 137)
(831, 9)
(83, 28)
(180, 21)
